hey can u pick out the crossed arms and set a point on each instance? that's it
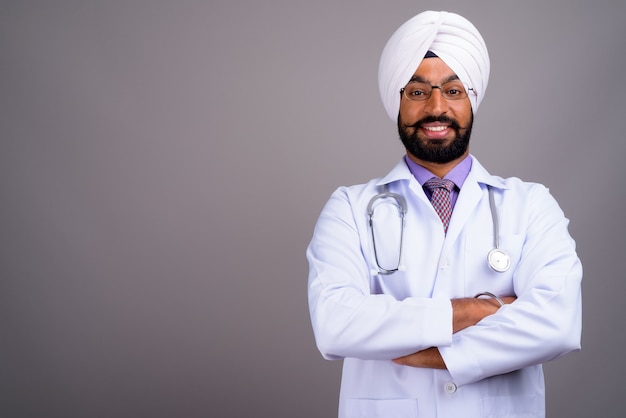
(466, 312)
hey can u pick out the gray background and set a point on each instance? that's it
(162, 164)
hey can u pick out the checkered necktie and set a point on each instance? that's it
(440, 198)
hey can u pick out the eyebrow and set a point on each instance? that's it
(419, 79)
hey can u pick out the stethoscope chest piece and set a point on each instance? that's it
(499, 260)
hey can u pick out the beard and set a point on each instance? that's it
(435, 151)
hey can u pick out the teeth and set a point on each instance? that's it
(436, 128)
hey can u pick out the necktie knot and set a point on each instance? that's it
(440, 198)
(437, 183)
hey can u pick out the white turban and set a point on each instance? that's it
(452, 37)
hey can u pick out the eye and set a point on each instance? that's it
(417, 90)
(454, 90)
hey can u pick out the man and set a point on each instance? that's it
(451, 314)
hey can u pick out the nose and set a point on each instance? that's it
(436, 104)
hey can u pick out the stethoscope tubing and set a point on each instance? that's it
(497, 259)
(401, 203)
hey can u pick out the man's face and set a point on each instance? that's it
(435, 130)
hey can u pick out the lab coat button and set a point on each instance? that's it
(450, 388)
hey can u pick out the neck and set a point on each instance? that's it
(438, 169)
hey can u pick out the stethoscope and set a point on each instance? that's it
(497, 259)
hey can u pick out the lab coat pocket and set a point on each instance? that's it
(381, 408)
(513, 407)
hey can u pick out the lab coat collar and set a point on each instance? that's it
(479, 174)
(399, 172)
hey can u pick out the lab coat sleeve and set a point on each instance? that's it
(349, 321)
(544, 323)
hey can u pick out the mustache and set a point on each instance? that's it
(431, 119)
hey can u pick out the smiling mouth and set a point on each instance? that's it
(440, 128)
(436, 132)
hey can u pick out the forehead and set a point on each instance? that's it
(433, 70)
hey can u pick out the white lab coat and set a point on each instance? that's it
(367, 319)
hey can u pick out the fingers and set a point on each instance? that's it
(508, 299)
(401, 361)
(429, 358)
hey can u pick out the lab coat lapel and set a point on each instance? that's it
(466, 203)
(471, 193)
(474, 189)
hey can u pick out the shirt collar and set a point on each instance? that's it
(458, 174)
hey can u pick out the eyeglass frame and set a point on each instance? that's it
(467, 89)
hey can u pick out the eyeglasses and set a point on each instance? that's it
(451, 90)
